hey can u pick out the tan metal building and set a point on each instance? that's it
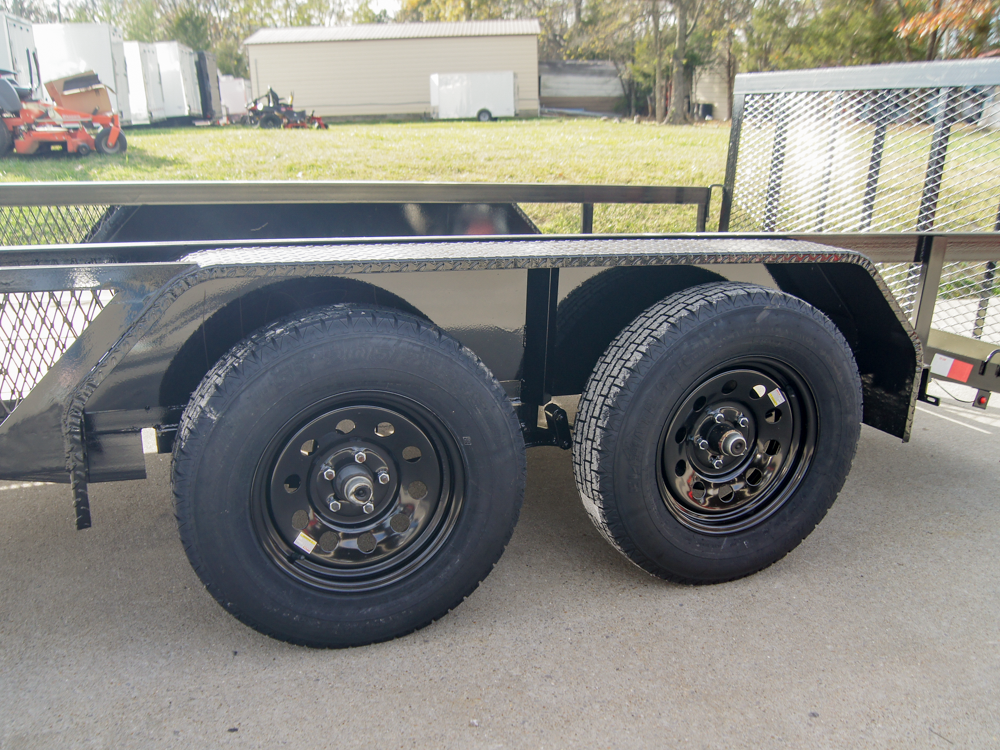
(384, 69)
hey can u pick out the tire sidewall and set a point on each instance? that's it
(235, 430)
(790, 337)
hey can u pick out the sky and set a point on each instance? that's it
(392, 6)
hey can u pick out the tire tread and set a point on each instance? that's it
(614, 380)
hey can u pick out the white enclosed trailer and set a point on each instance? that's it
(144, 86)
(179, 75)
(484, 96)
(17, 50)
(235, 94)
(66, 49)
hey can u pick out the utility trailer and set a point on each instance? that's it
(348, 374)
(144, 84)
(71, 49)
(484, 96)
(17, 51)
(179, 78)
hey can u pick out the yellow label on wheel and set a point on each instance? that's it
(305, 542)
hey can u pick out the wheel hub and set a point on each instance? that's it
(728, 448)
(357, 493)
(721, 437)
(348, 483)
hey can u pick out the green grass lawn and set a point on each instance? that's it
(533, 151)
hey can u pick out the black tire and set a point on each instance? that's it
(6, 140)
(83, 149)
(646, 478)
(593, 314)
(270, 122)
(101, 143)
(325, 380)
(484, 115)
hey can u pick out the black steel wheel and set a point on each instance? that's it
(102, 146)
(367, 489)
(484, 115)
(716, 431)
(347, 476)
(737, 446)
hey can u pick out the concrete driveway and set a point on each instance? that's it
(881, 630)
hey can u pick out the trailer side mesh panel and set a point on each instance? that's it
(51, 225)
(878, 161)
(968, 302)
(35, 329)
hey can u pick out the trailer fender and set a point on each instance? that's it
(887, 351)
(231, 322)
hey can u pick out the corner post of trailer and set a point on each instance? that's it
(930, 254)
(726, 207)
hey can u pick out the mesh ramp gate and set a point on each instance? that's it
(887, 149)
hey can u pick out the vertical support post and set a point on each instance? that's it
(930, 254)
(541, 298)
(831, 151)
(587, 219)
(935, 161)
(702, 216)
(726, 207)
(773, 195)
(985, 293)
(875, 162)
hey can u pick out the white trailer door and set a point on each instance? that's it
(21, 48)
(136, 84)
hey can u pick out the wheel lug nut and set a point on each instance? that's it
(716, 462)
(383, 477)
(703, 444)
(360, 457)
(743, 421)
(719, 418)
(368, 508)
(329, 475)
(334, 503)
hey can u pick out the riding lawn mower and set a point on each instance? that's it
(268, 111)
(30, 125)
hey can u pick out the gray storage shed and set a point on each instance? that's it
(581, 84)
(385, 69)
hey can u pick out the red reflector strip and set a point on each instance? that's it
(954, 369)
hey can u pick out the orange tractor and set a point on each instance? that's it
(30, 125)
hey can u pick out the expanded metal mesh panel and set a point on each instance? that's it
(903, 280)
(880, 161)
(35, 329)
(50, 225)
(968, 301)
